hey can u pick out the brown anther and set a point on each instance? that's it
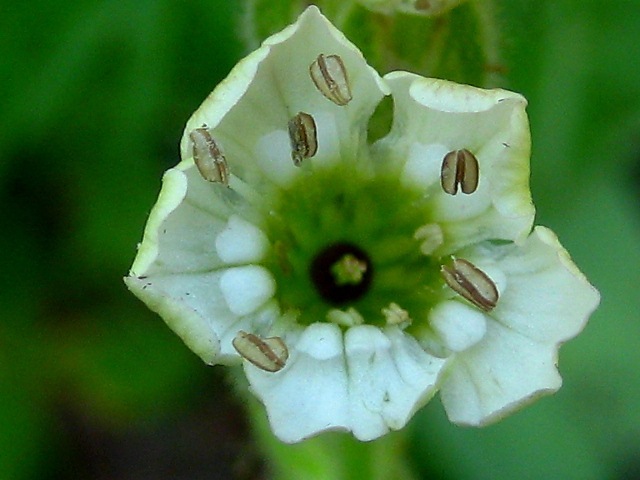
(471, 283)
(268, 354)
(330, 77)
(208, 158)
(303, 136)
(459, 169)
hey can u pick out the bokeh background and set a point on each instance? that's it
(94, 95)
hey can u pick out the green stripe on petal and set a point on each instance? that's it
(174, 190)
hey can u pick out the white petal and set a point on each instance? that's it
(181, 208)
(258, 322)
(390, 377)
(195, 307)
(433, 117)
(423, 167)
(275, 157)
(241, 242)
(546, 298)
(497, 376)
(459, 326)
(271, 85)
(177, 270)
(546, 302)
(309, 395)
(246, 288)
(194, 326)
(423, 164)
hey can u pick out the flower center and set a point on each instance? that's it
(346, 248)
(341, 273)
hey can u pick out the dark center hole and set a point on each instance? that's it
(341, 273)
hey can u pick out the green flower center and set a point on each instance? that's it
(344, 239)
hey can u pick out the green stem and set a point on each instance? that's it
(490, 40)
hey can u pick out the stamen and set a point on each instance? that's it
(269, 354)
(303, 136)
(330, 77)
(208, 158)
(459, 168)
(347, 318)
(471, 283)
(395, 315)
(348, 270)
(432, 235)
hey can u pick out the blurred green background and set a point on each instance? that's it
(94, 97)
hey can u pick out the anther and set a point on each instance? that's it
(432, 237)
(268, 354)
(330, 77)
(471, 283)
(208, 158)
(459, 169)
(396, 315)
(347, 318)
(303, 136)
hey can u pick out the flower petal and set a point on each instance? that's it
(259, 322)
(195, 306)
(241, 242)
(433, 117)
(385, 379)
(500, 374)
(192, 326)
(271, 86)
(545, 297)
(177, 269)
(390, 377)
(180, 234)
(309, 395)
(246, 288)
(459, 326)
(545, 302)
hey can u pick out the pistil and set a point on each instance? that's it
(349, 270)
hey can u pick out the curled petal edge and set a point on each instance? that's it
(196, 332)
(173, 192)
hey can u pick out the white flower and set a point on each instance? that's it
(354, 281)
